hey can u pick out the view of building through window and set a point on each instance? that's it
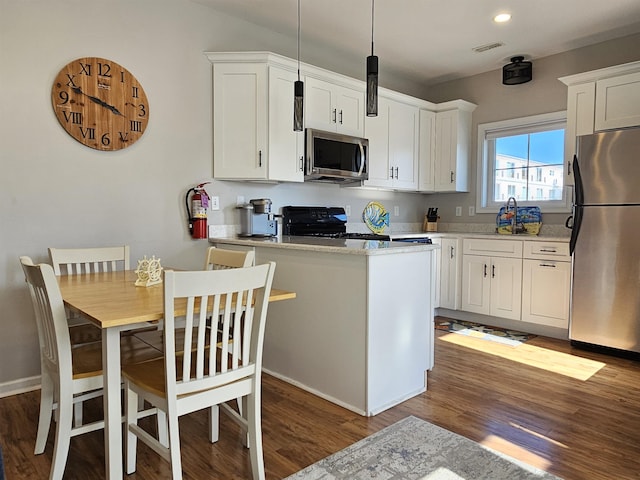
(529, 167)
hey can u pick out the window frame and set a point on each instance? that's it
(486, 162)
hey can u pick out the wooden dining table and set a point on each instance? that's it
(113, 302)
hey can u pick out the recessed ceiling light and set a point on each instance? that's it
(502, 17)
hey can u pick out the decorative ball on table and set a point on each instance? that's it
(149, 272)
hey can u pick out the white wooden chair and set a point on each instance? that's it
(78, 261)
(69, 375)
(216, 259)
(220, 259)
(204, 377)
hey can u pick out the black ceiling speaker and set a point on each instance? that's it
(517, 72)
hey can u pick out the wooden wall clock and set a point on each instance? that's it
(100, 103)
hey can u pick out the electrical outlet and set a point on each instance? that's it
(215, 203)
(347, 210)
(472, 210)
(396, 211)
(458, 211)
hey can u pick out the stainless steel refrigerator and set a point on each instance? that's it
(605, 241)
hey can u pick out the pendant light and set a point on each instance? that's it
(298, 90)
(372, 77)
(517, 72)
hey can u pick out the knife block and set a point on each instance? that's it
(428, 226)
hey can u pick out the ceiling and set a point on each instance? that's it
(431, 41)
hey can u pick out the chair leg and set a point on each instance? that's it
(255, 435)
(242, 407)
(174, 443)
(63, 434)
(130, 439)
(46, 408)
(163, 435)
(214, 423)
(77, 414)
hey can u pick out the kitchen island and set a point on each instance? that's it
(360, 331)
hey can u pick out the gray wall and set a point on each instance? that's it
(56, 192)
(544, 94)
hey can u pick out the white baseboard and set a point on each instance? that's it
(315, 392)
(21, 385)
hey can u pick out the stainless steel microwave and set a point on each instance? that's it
(336, 158)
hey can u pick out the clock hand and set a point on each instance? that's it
(96, 100)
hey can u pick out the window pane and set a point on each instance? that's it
(529, 167)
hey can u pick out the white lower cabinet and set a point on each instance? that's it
(492, 285)
(450, 273)
(546, 284)
(518, 280)
(492, 277)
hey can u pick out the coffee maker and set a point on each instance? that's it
(256, 219)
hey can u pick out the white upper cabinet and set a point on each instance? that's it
(603, 99)
(453, 144)
(253, 122)
(286, 147)
(332, 107)
(427, 151)
(618, 102)
(414, 145)
(444, 147)
(240, 121)
(393, 145)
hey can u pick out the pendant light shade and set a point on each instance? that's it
(298, 91)
(298, 105)
(517, 72)
(372, 77)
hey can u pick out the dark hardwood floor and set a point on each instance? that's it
(569, 415)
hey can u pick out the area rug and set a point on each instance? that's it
(413, 449)
(494, 334)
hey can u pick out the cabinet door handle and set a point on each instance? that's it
(260, 158)
(391, 169)
(568, 167)
(485, 270)
(334, 115)
(301, 163)
(340, 117)
(548, 250)
(547, 265)
(397, 173)
(493, 271)
(451, 252)
(452, 176)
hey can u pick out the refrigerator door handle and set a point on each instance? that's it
(579, 188)
(575, 228)
(577, 206)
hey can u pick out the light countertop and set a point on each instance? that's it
(329, 245)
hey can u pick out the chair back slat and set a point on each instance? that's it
(222, 259)
(79, 261)
(51, 319)
(225, 294)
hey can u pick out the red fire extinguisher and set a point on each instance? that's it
(197, 215)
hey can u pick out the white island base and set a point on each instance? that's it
(360, 331)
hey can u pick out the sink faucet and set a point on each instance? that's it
(514, 219)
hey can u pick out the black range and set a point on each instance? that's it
(331, 222)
